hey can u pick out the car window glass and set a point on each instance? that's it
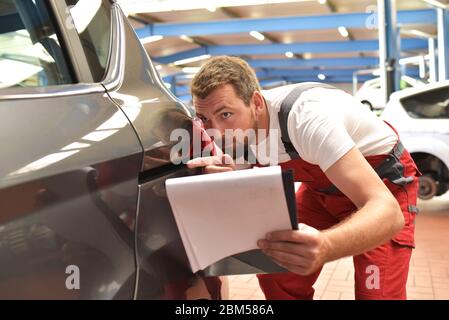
(92, 21)
(30, 50)
(404, 84)
(432, 104)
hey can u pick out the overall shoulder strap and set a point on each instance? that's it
(284, 111)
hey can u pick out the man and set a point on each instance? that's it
(334, 145)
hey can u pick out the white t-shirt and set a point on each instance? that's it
(324, 124)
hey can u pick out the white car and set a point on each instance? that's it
(421, 116)
(371, 95)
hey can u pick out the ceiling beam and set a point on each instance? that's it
(330, 21)
(281, 48)
(311, 63)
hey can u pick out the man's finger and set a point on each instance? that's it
(297, 236)
(289, 247)
(227, 160)
(216, 169)
(203, 162)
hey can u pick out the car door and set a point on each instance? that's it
(70, 158)
(154, 112)
(163, 268)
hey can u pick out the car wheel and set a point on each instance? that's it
(427, 187)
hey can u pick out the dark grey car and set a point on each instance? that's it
(85, 123)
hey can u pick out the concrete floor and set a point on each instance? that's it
(429, 266)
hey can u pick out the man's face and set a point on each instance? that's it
(222, 109)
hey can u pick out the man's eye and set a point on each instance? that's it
(226, 115)
(204, 119)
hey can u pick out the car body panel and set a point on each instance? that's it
(151, 108)
(163, 269)
(82, 184)
(371, 92)
(63, 180)
(429, 136)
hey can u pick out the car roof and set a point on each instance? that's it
(416, 90)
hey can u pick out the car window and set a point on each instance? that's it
(432, 104)
(30, 50)
(404, 84)
(92, 21)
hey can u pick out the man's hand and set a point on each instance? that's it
(213, 164)
(301, 251)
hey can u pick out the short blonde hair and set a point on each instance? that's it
(222, 70)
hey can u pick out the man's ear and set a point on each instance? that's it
(258, 101)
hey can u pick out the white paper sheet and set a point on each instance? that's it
(222, 214)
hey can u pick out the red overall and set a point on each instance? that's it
(388, 262)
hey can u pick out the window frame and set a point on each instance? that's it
(77, 63)
(68, 62)
(73, 42)
(403, 102)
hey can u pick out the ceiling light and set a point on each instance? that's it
(322, 1)
(147, 6)
(191, 69)
(257, 35)
(186, 38)
(193, 59)
(151, 39)
(289, 54)
(343, 31)
(418, 33)
(307, 56)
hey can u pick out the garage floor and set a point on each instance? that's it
(429, 267)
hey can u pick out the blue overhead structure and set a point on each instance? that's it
(270, 71)
(281, 48)
(270, 77)
(331, 21)
(388, 47)
(443, 43)
(363, 62)
(433, 60)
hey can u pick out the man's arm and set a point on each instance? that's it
(379, 216)
(377, 220)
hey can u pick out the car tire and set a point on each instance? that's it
(428, 187)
